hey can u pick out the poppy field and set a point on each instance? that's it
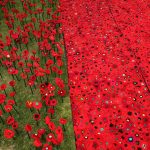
(35, 109)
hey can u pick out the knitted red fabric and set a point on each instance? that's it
(107, 44)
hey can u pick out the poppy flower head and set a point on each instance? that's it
(37, 143)
(10, 120)
(12, 83)
(63, 121)
(37, 105)
(12, 94)
(29, 104)
(50, 137)
(8, 133)
(28, 128)
(10, 102)
(15, 125)
(41, 131)
(47, 119)
(62, 92)
(2, 98)
(3, 87)
(36, 117)
(8, 108)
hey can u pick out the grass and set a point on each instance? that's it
(21, 140)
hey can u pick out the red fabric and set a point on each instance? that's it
(107, 43)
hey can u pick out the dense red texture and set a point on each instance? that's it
(107, 43)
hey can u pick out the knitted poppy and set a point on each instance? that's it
(12, 94)
(61, 92)
(2, 98)
(10, 102)
(10, 120)
(8, 108)
(50, 137)
(3, 86)
(36, 117)
(37, 105)
(28, 128)
(15, 125)
(62, 121)
(37, 143)
(47, 147)
(8, 133)
(29, 104)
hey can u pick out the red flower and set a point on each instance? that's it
(2, 98)
(28, 128)
(41, 131)
(12, 71)
(12, 94)
(3, 86)
(37, 143)
(51, 87)
(63, 121)
(12, 83)
(37, 105)
(8, 108)
(8, 133)
(23, 76)
(1, 113)
(51, 126)
(20, 64)
(29, 104)
(36, 117)
(59, 82)
(47, 119)
(62, 92)
(47, 147)
(50, 137)
(15, 125)
(10, 102)
(53, 102)
(10, 120)
(51, 111)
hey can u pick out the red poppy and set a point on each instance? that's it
(2, 98)
(49, 63)
(51, 126)
(8, 108)
(50, 111)
(29, 104)
(53, 102)
(51, 87)
(59, 82)
(30, 82)
(21, 64)
(47, 119)
(10, 102)
(62, 121)
(8, 133)
(28, 128)
(50, 137)
(47, 147)
(12, 71)
(10, 120)
(37, 143)
(23, 76)
(37, 105)
(41, 131)
(36, 117)
(3, 87)
(15, 125)
(12, 94)
(62, 92)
